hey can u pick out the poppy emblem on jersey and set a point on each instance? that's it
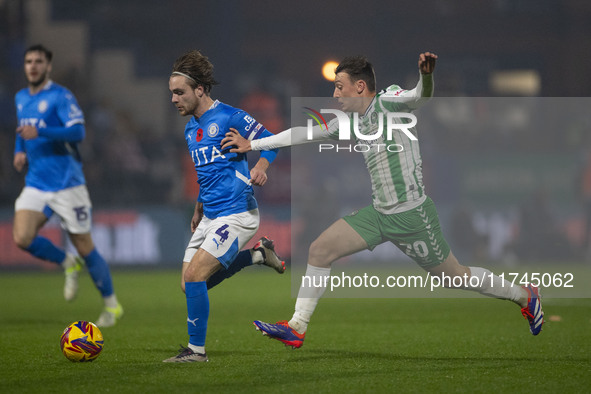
(199, 135)
(42, 107)
(213, 130)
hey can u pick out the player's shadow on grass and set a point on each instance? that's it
(32, 321)
(234, 353)
(213, 352)
(332, 354)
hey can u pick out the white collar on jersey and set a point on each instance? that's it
(215, 104)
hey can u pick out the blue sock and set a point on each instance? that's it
(44, 249)
(244, 259)
(99, 272)
(197, 312)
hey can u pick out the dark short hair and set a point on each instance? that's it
(40, 48)
(197, 66)
(359, 68)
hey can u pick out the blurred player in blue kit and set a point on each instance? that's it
(50, 126)
(226, 215)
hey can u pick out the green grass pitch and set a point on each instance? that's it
(353, 345)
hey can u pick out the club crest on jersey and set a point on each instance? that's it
(199, 135)
(213, 130)
(43, 105)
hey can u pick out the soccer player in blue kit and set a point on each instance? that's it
(50, 126)
(226, 215)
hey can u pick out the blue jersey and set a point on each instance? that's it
(224, 177)
(54, 161)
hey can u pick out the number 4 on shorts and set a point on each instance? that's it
(223, 233)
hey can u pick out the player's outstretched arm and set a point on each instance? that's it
(425, 87)
(239, 144)
(234, 140)
(421, 93)
(289, 137)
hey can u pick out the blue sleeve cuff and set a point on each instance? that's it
(19, 144)
(270, 155)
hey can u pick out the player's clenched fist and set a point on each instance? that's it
(427, 62)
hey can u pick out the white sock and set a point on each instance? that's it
(197, 349)
(495, 286)
(257, 257)
(110, 301)
(312, 288)
(69, 261)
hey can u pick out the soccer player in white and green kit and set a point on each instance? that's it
(401, 212)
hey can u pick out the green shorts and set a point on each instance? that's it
(416, 232)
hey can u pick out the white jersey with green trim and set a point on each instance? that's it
(394, 165)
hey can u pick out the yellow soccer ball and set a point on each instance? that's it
(81, 341)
